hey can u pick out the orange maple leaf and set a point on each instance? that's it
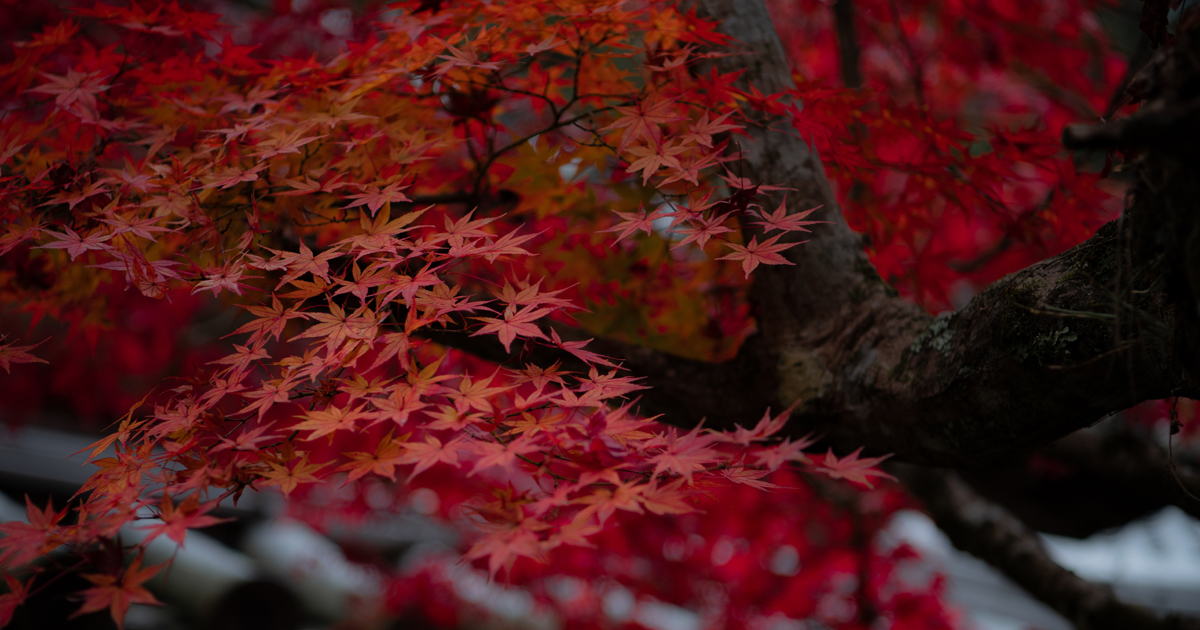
(667, 499)
(652, 158)
(388, 453)
(288, 476)
(473, 394)
(302, 262)
(232, 176)
(427, 453)
(379, 235)
(605, 501)
(327, 421)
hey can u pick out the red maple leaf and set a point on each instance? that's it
(232, 176)
(642, 120)
(24, 541)
(501, 454)
(374, 198)
(765, 428)
(270, 320)
(773, 457)
(748, 476)
(851, 468)
(668, 499)
(76, 244)
(702, 131)
(17, 592)
(177, 519)
(766, 253)
(633, 222)
(700, 230)
(117, 592)
(73, 87)
(781, 220)
(10, 354)
(514, 323)
(430, 452)
(575, 348)
(682, 456)
(503, 546)
(302, 262)
(652, 158)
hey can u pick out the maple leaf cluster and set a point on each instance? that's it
(350, 206)
(948, 155)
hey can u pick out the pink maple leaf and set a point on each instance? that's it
(74, 243)
(851, 468)
(754, 254)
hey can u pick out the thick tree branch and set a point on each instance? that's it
(685, 391)
(1134, 462)
(1040, 354)
(988, 532)
(832, 265)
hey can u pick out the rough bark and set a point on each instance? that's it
(1040, 354)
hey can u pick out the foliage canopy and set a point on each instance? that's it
(509, 178)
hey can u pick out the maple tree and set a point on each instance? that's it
(587, 270)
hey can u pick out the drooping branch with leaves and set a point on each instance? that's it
(561, 254)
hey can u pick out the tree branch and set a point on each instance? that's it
(1133, 461)
(685, 391)
(990, 533)
(1040, 354)
(847, 36)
